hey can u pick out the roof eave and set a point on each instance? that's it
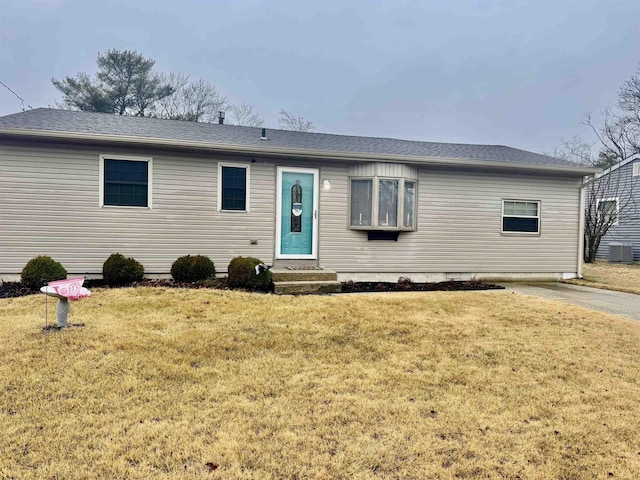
(618, 165)
(289, 152)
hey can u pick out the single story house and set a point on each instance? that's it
(79, 186)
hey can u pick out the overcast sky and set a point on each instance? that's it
(508, 72)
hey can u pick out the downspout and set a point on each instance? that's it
(581, 230)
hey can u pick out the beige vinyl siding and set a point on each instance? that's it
(397, 170)
(459, 227)
(49, 205)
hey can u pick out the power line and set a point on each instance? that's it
(22, 100)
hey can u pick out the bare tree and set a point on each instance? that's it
(616, 136)
(296, 123)
(244, 115)
(192, 101)
(609, 199)
(168, 107)
(620, 133)
(629, 98)
(609, 196)
(574, 149)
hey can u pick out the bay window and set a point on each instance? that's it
(381, 203)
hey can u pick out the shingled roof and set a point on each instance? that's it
(66, 124)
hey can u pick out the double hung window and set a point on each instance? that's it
(521, 216)
(607, 209)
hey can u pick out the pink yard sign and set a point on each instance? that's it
(70, 288)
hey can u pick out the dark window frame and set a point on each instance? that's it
(125, 181)
(233, 203)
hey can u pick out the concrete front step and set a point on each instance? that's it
(302, 275)
(307, 286)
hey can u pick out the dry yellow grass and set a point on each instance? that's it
(170, 384)
(610, 276)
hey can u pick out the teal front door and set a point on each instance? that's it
(297, 213)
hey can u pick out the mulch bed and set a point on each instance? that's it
(405, 285)
(16, 289)
(13, 289)
(219, 283)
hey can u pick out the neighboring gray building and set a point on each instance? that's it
(80, 186)
(616, 191)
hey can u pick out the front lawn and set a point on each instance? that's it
(172, 383)
(610, 276)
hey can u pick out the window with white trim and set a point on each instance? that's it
(521, 216)
(609, 208)
(233, 187)
(636, 169)
(382, 203)
(125, 181)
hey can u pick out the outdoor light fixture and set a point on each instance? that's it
(326, 184)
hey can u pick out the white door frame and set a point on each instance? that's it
(314, 233)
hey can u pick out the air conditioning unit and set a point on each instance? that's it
(620, 253)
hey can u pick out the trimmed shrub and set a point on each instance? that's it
(404, 283)
(40, 270)
(242, 274)
(119, 270)
(192, 269)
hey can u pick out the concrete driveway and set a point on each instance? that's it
(619, 303)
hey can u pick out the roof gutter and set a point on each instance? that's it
(288, 152)
(581, 220)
